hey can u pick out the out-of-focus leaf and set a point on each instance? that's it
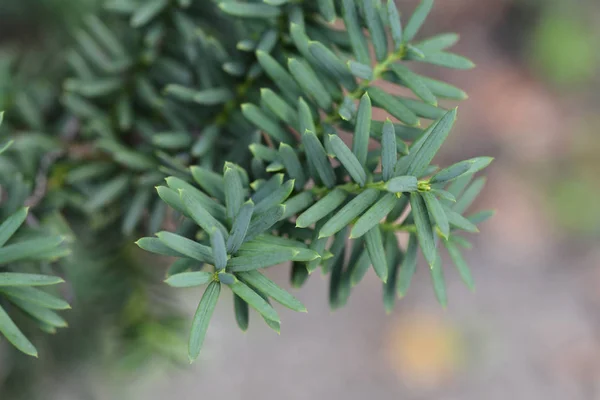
(265, 123)
(5, 146)
(398, 209)
(360, 269)
(481, 217)
(457, 187)
(21, 279)
(108, 192)
(408, 266)
(41, 314)
(332, 64)
(183, 265)
(31, 249)
(460, 263)
(255, 301)
(299, 274)
(284, 81)
(424, 229)
(416, 20)
(92, 89)
(11, 224)
(327, 10)
(317, 245)
(469, 196)
(279, 107)
(393, 258)
(437, 278)
(292, 165)
(448, 60)
(444, 195)
(147, 12)
(438, 42)
(241, 311)
(460, 222)
(309, 81)
(250, 10)
(337, 252)
(444, 90)
(395, 25)
(374, 244)
(337, 281)
(437, 212)
(139, 203)
(376, 30)
(421, 109)
(14, 335)
(36, 296)
(357, 38)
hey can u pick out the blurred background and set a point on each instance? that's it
(531, 330)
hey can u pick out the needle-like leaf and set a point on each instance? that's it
(205, 310)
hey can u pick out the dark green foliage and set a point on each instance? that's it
(220, 121)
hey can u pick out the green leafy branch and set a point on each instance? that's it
(180, 91)
(309, 218)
